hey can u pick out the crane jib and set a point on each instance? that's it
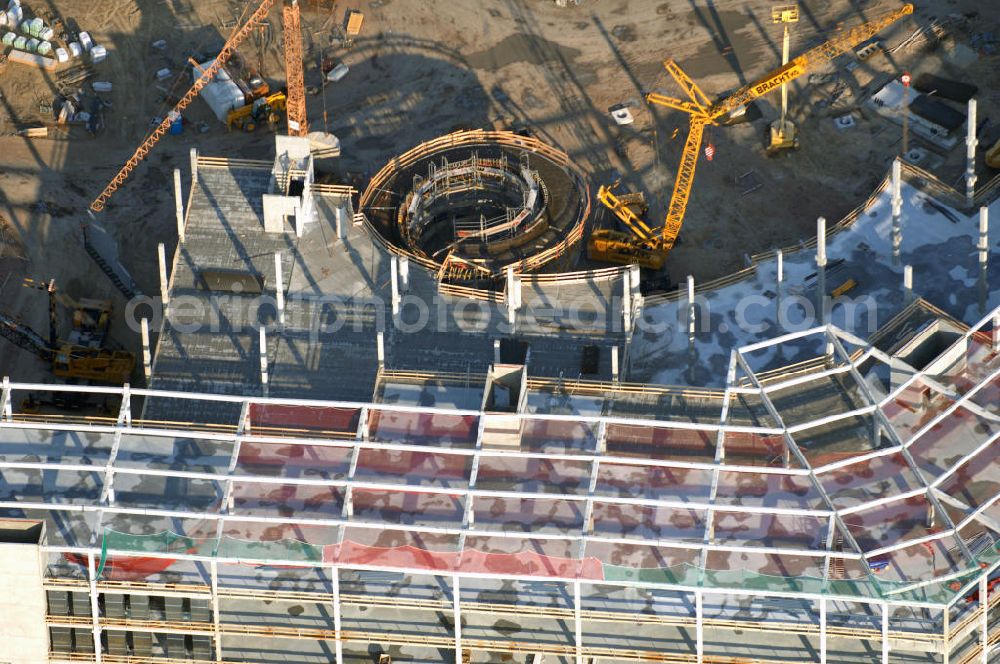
(787, 73)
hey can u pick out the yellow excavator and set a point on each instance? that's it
(263, 110)
(648, 247)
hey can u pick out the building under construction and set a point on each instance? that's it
(345, 452)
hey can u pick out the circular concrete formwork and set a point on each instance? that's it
(473, 203)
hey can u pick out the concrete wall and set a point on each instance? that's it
(23, 635)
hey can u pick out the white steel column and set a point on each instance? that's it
(179, 205)
(699, 625)
(456, 609)
(279, 289)
(577, 622)
(194, 166)
(626, 300)
(970, 155)
(984, 252)
(691, 326)
(7, 412)
(263, 360)
(213, 567)
(161, 253)
(95, 617)
(780, 258)
(885, 633)
(822, 630)
(147, 360)
(394, 278)
(984, 606)
(821, 268)
(338, 643)
(897, 209)
(946, 636)
(907, 284)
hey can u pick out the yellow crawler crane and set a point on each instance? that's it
(649, 247)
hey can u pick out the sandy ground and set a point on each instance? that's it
(421, 69)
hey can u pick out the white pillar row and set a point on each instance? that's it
(194, 166)
(147, 359)
(394, 274)
(161, 253)
(821, 268)
(897, 210)
(279, 289)
(970, 155)
(263, 361)
(908, 283)
(179, 205)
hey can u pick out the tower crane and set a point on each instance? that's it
(649, 247)
(294, 73)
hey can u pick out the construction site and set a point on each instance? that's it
(530, 331)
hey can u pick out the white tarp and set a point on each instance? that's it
(222, 94)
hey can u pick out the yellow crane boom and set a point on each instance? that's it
(235, 39)
(703, 112)
(298, 125)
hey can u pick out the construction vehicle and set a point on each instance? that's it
(266, 110)
(82, 355)
(650, 247)
(297, 125)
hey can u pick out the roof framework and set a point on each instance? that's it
(897, 513)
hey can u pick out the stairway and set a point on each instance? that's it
(126, 289)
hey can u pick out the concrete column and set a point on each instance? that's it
(147, 360)
(984, 252)
(404, 273)
(634, 277)
(194, 166)
(946, 634)
(394, 271)
(496, 351)
(970, 155)
(279, 289)
(340, 223)
(821, 269)
(263, 361)
(614, 363)
(897, 210)
(380, 342)
(179, 204)
(908, 283)
(164, 290)
(996, 332)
